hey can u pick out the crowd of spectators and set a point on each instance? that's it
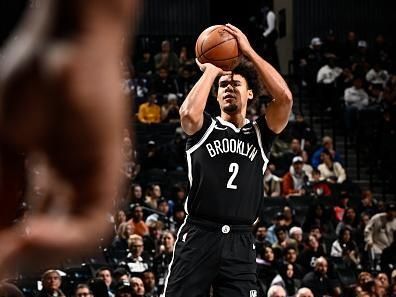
(319, 234)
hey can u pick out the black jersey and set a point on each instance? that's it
(226, 169)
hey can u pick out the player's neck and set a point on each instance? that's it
(238, 120)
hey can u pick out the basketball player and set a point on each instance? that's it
(61, 106)
(227, 157)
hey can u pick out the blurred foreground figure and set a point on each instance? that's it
(62, 109)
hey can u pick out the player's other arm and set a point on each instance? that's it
(279, 109)
(191, 111)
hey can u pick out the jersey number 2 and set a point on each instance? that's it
(234, 168)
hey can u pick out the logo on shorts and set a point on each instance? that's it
(253, 293)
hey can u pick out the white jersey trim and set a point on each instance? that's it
(202, 140)
(258, 133)
(231, 125)
(173, 257)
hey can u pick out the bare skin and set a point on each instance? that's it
(60, 100)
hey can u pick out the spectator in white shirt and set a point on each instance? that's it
(329, 72)
(377, 75)
(355, 99)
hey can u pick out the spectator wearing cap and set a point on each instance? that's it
(124, 289)
(278, 220)
(150, 112)
(137, 221)
(294, 181)
(51, 281)
(380, 230)
(170, 110)
(327, 143)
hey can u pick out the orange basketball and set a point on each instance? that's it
(218, 47)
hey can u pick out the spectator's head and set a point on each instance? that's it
(296, 233)
(391, 210)
(154, 191)
(362, 46)
(363, 278)
(316, 175)
(298, 164)
(155, 228)
(121, 275)
(358, 82)
(383, 279)
(321, 266)
(163, 206)
(351, 36)
(137, 213)
(163, 73)
(165, 46)
(137, 287)
(261, 232)
(364, 219)
(152, 98)
(304, 292)
(281, 233)
(290, 254)
(276, 291)
(295, 146)
(179, 214)
(149, 280)
(125, 230)
(279, 219)
(326, 156)
(315, 231)
(124, 289)
(312, 243)
(316, 43)
(327, 142)
(168, 240)
(135, 245)
(105, 274)
(288, 212)
(268, 254)
(345, 235)
(172, 99)
(82, 290)
(51, 280)
(137, 193)
(350, 215)
(120, 217)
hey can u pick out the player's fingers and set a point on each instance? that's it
(233, 28)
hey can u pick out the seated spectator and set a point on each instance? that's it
(152, 241)
(278, 220)
(355, 99)
(145, 64)
(290, 258)
(170, 110)
(119, 218)
(51, 281)
(319, 282)
(379, 231)
(349, 220)
(377, 75)
(286, 279)
(150, 112)
(295, 181)
(137, 260)
(153, 194)
(121, 275)
(296, 233)
(105, 274)
(162, 214)
(260, 237)
(185, 81)
(318, 216)
(331, 170)
(150, 285)
(166, 58)
(307, 258)
(267, 268)
(282, 241)
(272, 183)
(327, 143)
(162, 261)
(290, 219)
(302, 131)
(319, 186)
(120, 241)
(345, 248)
(137, 221)
(124, 289)
(163, 84)
(367, 203)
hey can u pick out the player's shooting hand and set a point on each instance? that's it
(210, 67)
(243, 42)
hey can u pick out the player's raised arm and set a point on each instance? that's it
(191, 111)
(279, 109)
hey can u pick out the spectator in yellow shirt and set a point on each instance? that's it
(150, 112)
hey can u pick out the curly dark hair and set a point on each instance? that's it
(247, 70)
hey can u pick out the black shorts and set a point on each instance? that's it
(212, 255)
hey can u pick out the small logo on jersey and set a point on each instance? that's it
(220, 128)
(253, 293)
(184, 237)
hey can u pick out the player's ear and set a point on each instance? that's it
(250, 94)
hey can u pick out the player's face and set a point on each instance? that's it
(233, 94)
